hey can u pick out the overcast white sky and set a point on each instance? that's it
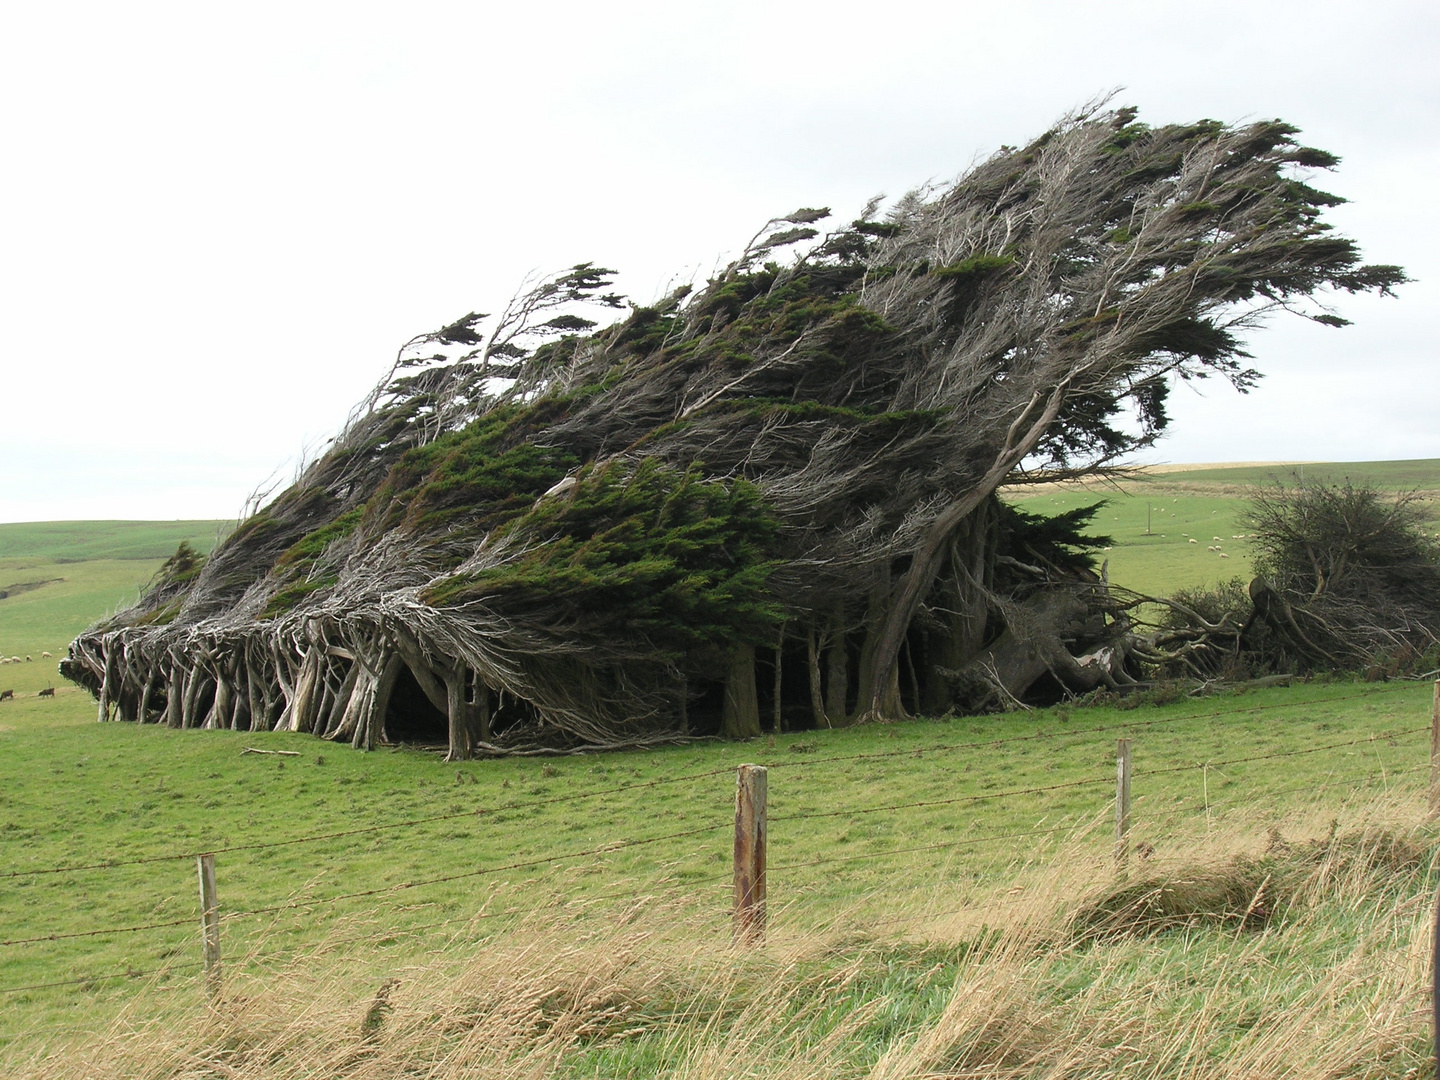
(218, 222)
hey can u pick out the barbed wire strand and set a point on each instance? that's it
(94, 978)
(618, 789)
(316, 837)
(625, 844)
(1008, 793)
(604, 849)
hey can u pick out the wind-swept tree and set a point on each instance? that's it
(564, 534)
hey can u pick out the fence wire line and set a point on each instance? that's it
(99, 933)
(676, 890)
(1284, 753)
(454, 816)
(94, 978)
(275, 959)
(1047, 735)
(625, 844)
(924, 847)
(485, 810)
(604, 849)
(941, 802)
(612, 846)
(1329, 781)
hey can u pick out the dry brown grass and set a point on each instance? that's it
(1332, 982)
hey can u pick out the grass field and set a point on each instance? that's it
(1153, 519)
(59, 577)
(905, 888)
(569, 917)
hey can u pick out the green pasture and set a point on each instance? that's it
(845, 831)
(72, 541)
(1151, 550)
(1152, 520)
(59, 577)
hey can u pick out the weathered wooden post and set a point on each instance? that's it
(209, 923)
(750, 788)
(1122, 801)
(1435, 752)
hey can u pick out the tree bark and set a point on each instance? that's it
(837, 675)
(175, 697)
(145, 697)
(255, 678)
(218, 717)
(480, 712)
(878, 673)
(374, 727)
(331, 717)
(779, 662)
(817, 700)
(194, 684)
(740, 716)
(106, 687)
(457, 709)
(306, 709)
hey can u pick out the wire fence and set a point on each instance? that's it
(1045, 829)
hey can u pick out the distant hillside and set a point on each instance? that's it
(1417, 473)
(74, 541)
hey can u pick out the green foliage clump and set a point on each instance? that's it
(483, 474)
(290, 596)
(655, 551)
(1057, 541)
(1212, 603)
(181, 568)
(1347, 541)
(304, 553)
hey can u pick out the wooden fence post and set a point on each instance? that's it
(1435, 753)
(750, 789)
(1122, 801)
(209, 923)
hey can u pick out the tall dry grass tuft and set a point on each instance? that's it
(1289, 948)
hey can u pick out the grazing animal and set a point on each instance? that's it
(49, 691)
(46, 655)
(7, 695)
(27, 659)
(1223, 555)
(1194, 541)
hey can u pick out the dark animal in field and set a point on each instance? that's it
(49, 691)
(7, 695)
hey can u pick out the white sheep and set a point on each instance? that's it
(1194, 541)
(46, 655)
(1223, 555)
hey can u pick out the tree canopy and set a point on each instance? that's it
(569, 533)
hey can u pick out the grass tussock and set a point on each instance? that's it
(1248, 953)
(1248, 891)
